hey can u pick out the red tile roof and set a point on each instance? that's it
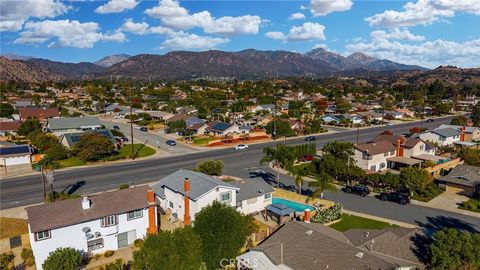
(39, 113)
(10, 125)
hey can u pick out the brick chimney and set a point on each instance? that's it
(399, 149)
(462, 134)
(152, 225)
(186, 189)
(306, 215)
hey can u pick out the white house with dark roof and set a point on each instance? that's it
(443, 136)
(253, 196)
(15, 155)
(95, 224)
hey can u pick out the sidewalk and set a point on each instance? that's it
(15, 170)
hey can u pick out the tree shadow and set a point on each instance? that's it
(268, 177)
(70, 189)
(420, 247)
(437, 223)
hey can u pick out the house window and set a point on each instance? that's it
(443, 139)
(421, 147)
(135, 214)
(42, 235)
(268, 196)
(382, 165)
(225, 197)
(171, 205)
(95, 244)
(385, 154)
(109, 221)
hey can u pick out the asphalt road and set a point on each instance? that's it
(27, 189)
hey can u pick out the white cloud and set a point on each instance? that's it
(275, 35)
(65, 33)
(296, 16)
(429, 54)
(116, 6)
(307, 31)
(174, 16)
(136, 28)
(396, 34)
(185, 41)
(423, 12)
(14, 13)
(323, 7)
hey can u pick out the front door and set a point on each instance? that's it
(122, 239)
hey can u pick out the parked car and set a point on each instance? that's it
(358, 189)
(144, 129)
(171, 142)
(241, 147)
(430, 120)
(395, 197)
(389, 124)
(292, 188)
(310, 138)
(116, 127)
(124, 139)
(307, 158)
(137, 127)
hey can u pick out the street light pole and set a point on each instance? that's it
(131, 123)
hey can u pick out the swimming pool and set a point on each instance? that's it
(299, 207)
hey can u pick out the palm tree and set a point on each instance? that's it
(299, 174)
(280, 157)
(322, 182)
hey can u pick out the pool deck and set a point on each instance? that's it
(292, 196)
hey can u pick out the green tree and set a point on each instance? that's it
(282, 129)
(322, 183)
(93, 146)
(343, 106)
(29, 126)
(444, 108)
(41, 141)
(224, 231)
(63, 258)
(299, 173)
(6, 110)
(178, 249)
(470, 156)
(210, 167)
(176, 126)
(459, 120)
(340, 150)
(453, 249)
(280, 157)
(476, 115)
(57, 151)
(415, 179)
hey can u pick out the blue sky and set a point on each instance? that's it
(422, 32)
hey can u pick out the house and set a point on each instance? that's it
(198, 129)
(70, 139)
(9, 127)
(253, 195)
(441, 136)
(159, 115)
(41, 114)
(22, 104)
(97, 223)
(313, 246)
(373, 156)
(393, 115)
(333, 119)
(297, 126)
(15, 155)
(185, 193)
(62, 125)
(405, 112)
(194, 121)
(470, 133)
(355, 118)
(177, 117)
(462, 179)
(221, 129)
(264, 107)
(371, 116)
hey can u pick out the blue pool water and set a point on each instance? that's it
(299, 207)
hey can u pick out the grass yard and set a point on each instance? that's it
(12, 227)
(471, 205)
(71, 162)
(203, 141)
(356, 222)
(140, 149)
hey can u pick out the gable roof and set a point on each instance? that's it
(70, 212)
(72, 122)
(251, 188)
(467, 128)
(446, 132)
(39, 113)
(17, 150)
(390, 138)
(200, 183)
(375, 148)
(464, 175)
(220, 127)
(194, 121)
(411, 142)
(73, 138)
(10, 125)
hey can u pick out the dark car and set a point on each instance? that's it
(429, 120)
(292, 188)
(116, 127)
(171, 142)
(310, 138)
(395, 197)
(124, 139)
(144, 129)
(358, 189)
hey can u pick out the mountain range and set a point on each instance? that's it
(246, 64)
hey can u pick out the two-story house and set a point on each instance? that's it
(470, 133)
(92, 224)
(441, 136)
(373, 156)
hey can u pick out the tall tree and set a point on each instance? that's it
(322, 183)
(280, 157)
(93, 146)
(224, 232)
(29, 126)
(459, 120)
(178, 249)
(6, 110)
(476, 115)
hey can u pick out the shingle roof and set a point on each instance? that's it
(411, 142)
(10, 125)
(194, 121)
(308, 248)
(390, 138)
(73, 138)
(199, 183)
(15, 150)
(69, 212)
(464, 175)
(72, 122)
(467, 128)
(446, 132)
(40, 113)
(250, 188)
(376, 148)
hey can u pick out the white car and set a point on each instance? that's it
(389, 124)
(241, 147)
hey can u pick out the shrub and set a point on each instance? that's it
(117, 265)
(6, 259)
(63, 258)
(125, 186)
(27, 256)
(108, 253)
(210, 167)
(471, 204)
(328, 215)
(138, 242)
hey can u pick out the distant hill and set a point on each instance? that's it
(14, 56)
(22, 71)
(112, 60)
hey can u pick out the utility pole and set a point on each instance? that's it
(131, 122)
(43, 184)
(358, 132)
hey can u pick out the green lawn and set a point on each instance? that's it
(356, 222)
(471, 205)
(203, 141)
(140, 150)
(71, 162)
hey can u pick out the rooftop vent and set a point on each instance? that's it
(86, 203)
(309, 232)
(359, 255)
(86, 229)
(261, 191)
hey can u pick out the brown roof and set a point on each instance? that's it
(69, 212)
(375, 148)
(390, 138)
(315, 246)
(178, 117)
(39, 113)
(10, 125)
(411, 142)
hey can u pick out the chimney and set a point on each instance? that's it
(306, 215)
(86, 203)
(462, 134)
(186, 189)
(152, 225)
(399, 149)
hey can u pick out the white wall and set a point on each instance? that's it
(26, 159)
(73, 236)
(429, 136)
(256, 204)
(375, 161)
